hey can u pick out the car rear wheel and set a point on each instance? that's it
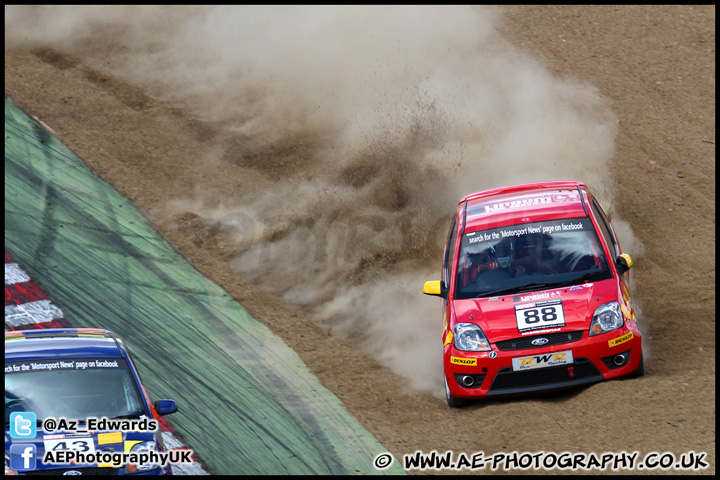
(452, 401)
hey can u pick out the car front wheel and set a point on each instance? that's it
(452, 401)
(640, 371)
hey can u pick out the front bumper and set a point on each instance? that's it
(595, 359)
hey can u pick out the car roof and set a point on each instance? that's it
(62, 343)
(525, 203)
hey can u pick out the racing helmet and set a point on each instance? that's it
(504, 252)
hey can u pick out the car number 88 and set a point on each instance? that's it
(539, 315)
(533, 316)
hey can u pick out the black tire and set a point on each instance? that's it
(454, 402)
(640, 371)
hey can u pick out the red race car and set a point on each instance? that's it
(535, 294)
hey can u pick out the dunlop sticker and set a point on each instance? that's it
(619, 340)
(463, 361)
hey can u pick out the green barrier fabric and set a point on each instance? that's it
(248, 404)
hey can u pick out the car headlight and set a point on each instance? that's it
(607, 317)
(143, 447)
(470, 337)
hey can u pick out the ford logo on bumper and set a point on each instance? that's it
(540, 341)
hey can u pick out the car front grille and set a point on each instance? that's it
(509, 382)
(526, 342)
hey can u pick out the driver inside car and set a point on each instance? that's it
(499, 258)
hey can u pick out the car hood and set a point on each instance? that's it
(105, 441)
(497, 315)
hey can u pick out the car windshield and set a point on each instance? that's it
(71, 388)
(532, 256)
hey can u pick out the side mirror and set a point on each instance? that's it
(623, 262)
(436, 288)
(165, 407)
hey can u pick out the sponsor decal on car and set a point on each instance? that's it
(519, 203)
(542, 360)
(70, 441)
(537, 296)
(539, 315)
(463, 361)
(617, 341)
(540, 332)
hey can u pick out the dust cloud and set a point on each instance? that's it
(366, 125)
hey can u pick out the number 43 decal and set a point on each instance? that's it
(537, 315)
(83, 444)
